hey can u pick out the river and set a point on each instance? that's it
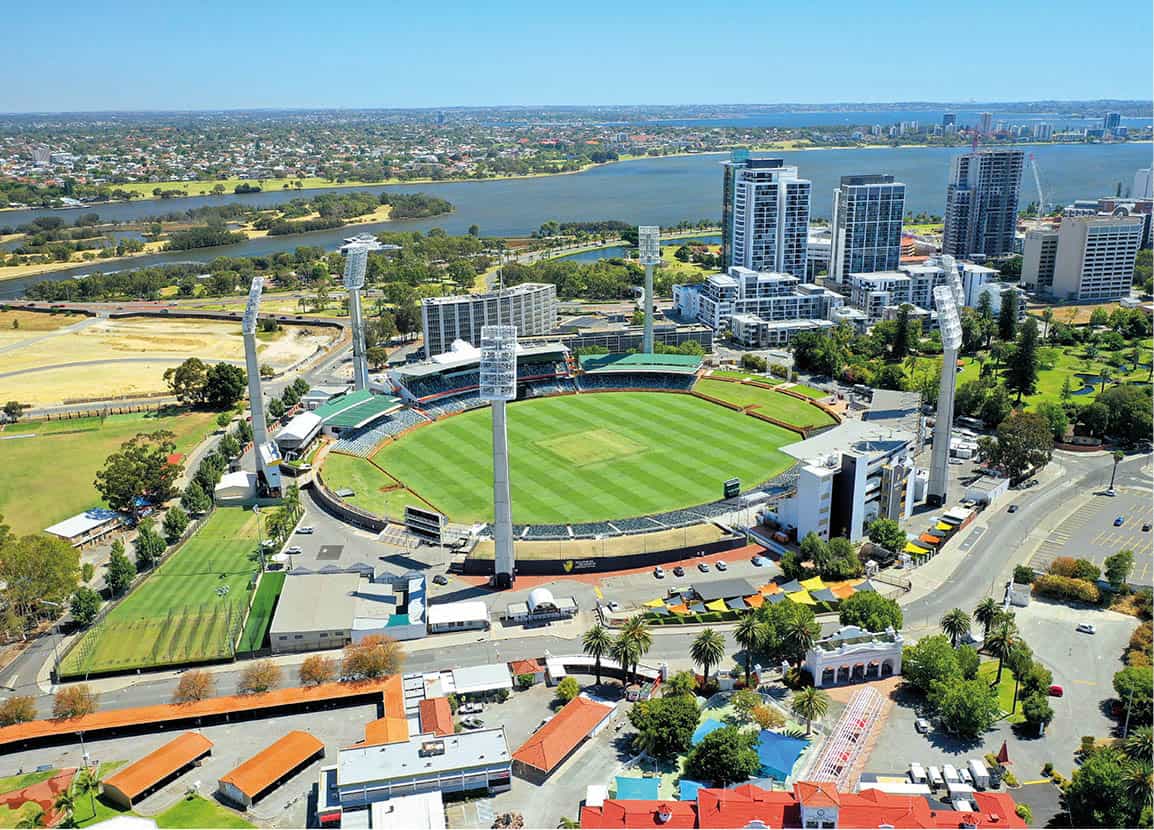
(646, 191)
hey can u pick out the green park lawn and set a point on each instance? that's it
(181, 613)
(579, 458)
(988, 671)
(48, 477)
(767, 401)
(197, 811)
(808, 391)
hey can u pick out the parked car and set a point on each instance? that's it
(1086, 628)
(470, 708)
(542, 723)
(659, 572)
(1145, 527)
(1111, 492)
(1118, 521)
(966, 777)
(759, 561)
(703, 567)
(1013, 508)
(721, 566)
(306, 530)
(440, 579)
(1056, 691)
(294, 550)
(679, 571)
(472, 722)
(922, 725)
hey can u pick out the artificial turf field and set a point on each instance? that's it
(583, 458)
(176, 615)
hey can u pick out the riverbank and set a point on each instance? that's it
(10, 272)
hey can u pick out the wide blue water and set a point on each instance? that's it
(656, 191)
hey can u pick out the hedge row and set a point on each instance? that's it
(1064, 587)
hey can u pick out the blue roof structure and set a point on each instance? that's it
(688, 790)
(704, 729)
(637, 789)
(778, 753)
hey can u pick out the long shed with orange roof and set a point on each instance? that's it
(156, 769)
(269, 768)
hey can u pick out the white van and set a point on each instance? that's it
(980, 774)
(917, 773)
(950, 774)
(935, 775)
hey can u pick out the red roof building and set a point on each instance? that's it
(811, 804)
(546, 748)
(436, 716)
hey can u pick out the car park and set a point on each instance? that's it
(659, 572)
(721, 566)
(1086, 628)
(306, 530)
(679, 571)
(922, 725)
(703, 567)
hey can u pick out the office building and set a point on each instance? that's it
(1095, 257)
(1039, 252)
(1143, 187)
(765, 216)
(531, 307)
(850, 475)
(1111, 121)
(867, 225)
(782, 301)
(949, 119)
(982, 203)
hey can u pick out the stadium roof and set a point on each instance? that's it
(159, 765)
(364, 412)
(272, 763)
(82, 523)
(551, 744)
(300, 428)
(449, 362)
(680, 363)
(340, 403)
(869, 438)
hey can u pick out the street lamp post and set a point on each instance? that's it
(56, 635)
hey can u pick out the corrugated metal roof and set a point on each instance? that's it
(159, 764)
(273, 762)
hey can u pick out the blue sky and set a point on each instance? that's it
(308, 53)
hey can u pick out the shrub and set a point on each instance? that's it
(525, 680)
(1023, 575)
(568, 689)
(1063, 587)
(1048, 769)
(74, 701)
(1024, 813)
(19, 709)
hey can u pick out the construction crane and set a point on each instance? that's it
(1037, 184)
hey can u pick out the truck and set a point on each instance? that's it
(979, 773)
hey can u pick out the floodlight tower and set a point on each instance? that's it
(951, 329)
(649, 246)
(356, 259)
(499, 385)
(264, 451)
(954, 280)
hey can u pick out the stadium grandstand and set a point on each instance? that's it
(351, 414)
(638, 371)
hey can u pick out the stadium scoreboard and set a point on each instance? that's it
(425, 524)
(732, 488)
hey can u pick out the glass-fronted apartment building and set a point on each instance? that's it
(531, 307)
(982, 203)
(867, 226)
(765, 216)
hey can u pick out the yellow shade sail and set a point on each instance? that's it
(801, 597)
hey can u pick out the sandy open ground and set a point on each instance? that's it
(117, 358)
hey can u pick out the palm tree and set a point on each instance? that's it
(625, 651)
(956, 624)
(809, 704)
(1047, 317)
(985, 613)
(680, 683)
(637, 630)
(1138, 783)
(1137, 744)
(800, 634)
(750, 635)
(708, 650)
(1000, 642)
(65, 804)
(597, 642)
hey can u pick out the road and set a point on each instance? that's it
(990, 563)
